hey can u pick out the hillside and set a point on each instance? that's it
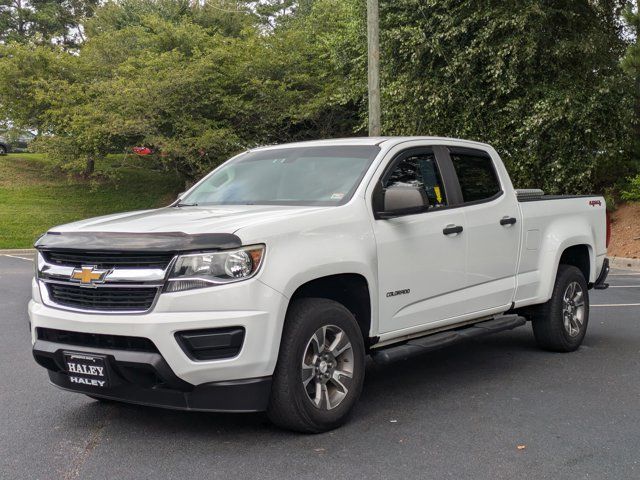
(35, 195)
(625, 231)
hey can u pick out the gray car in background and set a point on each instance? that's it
(15, 142)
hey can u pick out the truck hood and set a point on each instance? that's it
(189, 220)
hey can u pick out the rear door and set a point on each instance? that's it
(492, 229)
(421, 269)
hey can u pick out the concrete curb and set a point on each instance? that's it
(625, 263)
(19, 251)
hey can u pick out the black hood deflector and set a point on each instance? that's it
(136, 242)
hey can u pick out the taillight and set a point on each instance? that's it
(608, 229)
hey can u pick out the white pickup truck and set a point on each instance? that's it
(268, 282)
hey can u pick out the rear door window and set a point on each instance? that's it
(476, 175)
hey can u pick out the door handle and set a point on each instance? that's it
(452, 229)
(507, 221)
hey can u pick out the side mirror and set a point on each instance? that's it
(399, 201)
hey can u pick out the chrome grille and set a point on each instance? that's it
(128, 282)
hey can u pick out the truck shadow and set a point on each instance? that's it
(497, 366)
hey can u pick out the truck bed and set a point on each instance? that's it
(536, 195)
(545, 223)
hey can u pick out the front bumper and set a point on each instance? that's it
(146, 378)
(169, 377)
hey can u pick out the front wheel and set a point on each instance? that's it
(561, 324)
(320, 369)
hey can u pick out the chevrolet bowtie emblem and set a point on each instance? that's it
(88, 275)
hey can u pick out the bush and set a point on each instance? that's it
(632, 192)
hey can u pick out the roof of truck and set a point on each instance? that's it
(388, 141)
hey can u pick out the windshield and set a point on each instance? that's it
(287, 176)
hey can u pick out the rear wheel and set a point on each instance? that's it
(561, 324)
(3, 150)
(320, 369)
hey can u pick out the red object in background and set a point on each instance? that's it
(142, 150)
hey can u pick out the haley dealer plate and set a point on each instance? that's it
(86, 370)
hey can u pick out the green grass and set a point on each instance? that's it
(35, 195)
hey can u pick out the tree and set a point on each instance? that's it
(45, 21)
(631, 64)
(200, 83)
(27, 74)
(541, 82)
(15, 16)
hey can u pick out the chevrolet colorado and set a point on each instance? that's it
(265, 285)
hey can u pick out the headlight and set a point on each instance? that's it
(201, 270)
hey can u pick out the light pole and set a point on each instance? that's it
(373, 66)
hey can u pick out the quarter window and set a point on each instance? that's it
(419, 170)
(477, 177)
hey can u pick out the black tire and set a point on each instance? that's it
(3, 150)
(548, 320)
(290, 405)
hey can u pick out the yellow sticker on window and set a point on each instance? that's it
(436, 189)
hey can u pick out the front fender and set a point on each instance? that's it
(326, 242)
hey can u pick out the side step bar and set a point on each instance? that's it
(439, 340)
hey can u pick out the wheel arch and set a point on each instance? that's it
(570, 240)
(579, 255)
(577, 252)
(351, 290)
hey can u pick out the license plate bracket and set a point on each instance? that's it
(86, 369)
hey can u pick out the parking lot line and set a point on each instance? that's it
(21, 258)
(624, 286)
(616, 305)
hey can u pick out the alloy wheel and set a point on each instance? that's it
(327, 367)
(573, 309)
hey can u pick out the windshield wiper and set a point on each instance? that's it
(186, 205)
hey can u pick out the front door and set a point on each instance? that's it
(421, 268)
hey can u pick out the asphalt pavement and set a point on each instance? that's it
(492, 408)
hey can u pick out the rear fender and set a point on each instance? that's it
(559, 235)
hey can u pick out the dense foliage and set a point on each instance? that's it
(632, 191)
(45, 21)
(631, 64)
(541, 80)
